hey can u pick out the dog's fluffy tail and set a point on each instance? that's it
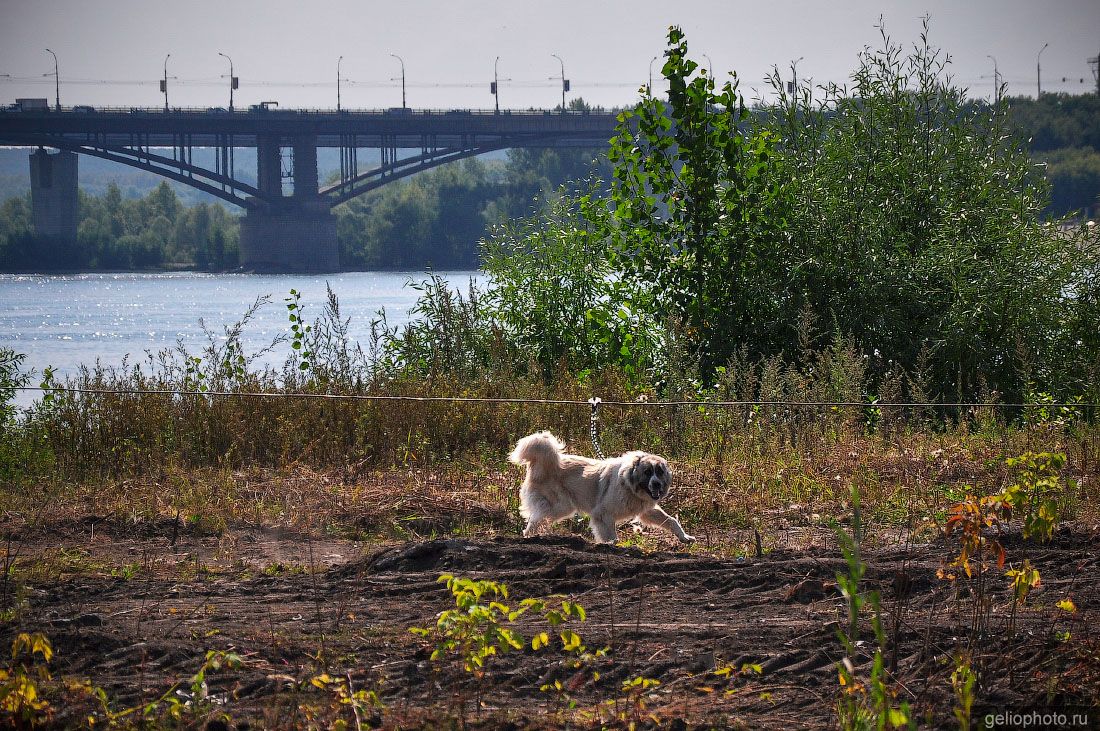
(541, 452)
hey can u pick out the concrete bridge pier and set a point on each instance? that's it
(290, 236)
(55, 204)
(295, 233)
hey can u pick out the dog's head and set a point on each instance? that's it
(650, 476)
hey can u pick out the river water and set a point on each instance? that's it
(74, 320)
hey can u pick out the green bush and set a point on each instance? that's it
(22, 441)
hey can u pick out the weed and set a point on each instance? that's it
(184, 698)
(478, 628)
(20, 698)
(636, 690)
(361, 702)
(1022, 581)
(475, 630)
(280, 569)
(963, 678)
(1035, 495)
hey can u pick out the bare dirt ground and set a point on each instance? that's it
(135, 609)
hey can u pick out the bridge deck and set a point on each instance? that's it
(397, 127)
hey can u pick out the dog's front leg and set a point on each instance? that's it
(658, 518)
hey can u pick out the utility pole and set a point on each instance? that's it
(494, 88)
(1039, 73)
(338, 82)
(232, 79)
(403, 105)
(56, 80)
(164, 82)
(564, 81)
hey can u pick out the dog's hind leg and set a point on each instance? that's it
(537, 510)
(603, 529)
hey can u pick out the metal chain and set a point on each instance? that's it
(593, 427)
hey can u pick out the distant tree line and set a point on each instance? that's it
(1064, 136)
(153, 232)
(437, 218)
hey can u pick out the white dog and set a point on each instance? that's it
(609, 491)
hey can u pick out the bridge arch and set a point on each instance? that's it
(216, 184)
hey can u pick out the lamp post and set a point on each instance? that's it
(403, 105)
(710, 66)
(564, 83)
(996, 80)
(164, 82)
(56, 79)
(338, 61)
(1039, 72)
(232, 79)
(495, 88)
(650, 87)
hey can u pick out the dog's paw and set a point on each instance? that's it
(687, 539)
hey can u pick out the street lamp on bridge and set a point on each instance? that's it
(494, 88)
(232, 79)
(164, 82)
(1039, 72)
(403, 105)
(56, 79)
(338, 61)
(564, 81)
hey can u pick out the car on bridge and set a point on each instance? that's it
(36, 104)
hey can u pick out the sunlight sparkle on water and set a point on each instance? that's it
(72, 320)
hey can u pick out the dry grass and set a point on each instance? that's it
(787, 489)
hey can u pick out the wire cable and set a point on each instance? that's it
(551, 402)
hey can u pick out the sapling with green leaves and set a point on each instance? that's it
(299, 330)
(1035, 495)
(479, 626)
(871, 705)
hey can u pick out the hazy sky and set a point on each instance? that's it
(112, 52)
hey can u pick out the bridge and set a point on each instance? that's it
(282, 230)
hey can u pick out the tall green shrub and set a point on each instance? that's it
(700, 206)
(917, 224)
